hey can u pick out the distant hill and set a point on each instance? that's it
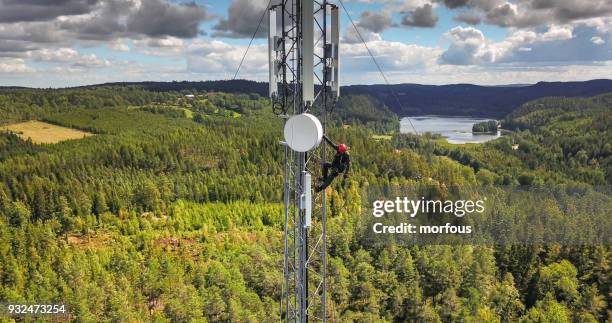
(228, 86)
(455, 99)
(474, 100)
(567, 135)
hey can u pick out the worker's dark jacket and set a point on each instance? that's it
(341, 162)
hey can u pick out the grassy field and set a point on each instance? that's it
(44, 133)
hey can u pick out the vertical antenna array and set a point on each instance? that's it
(303, 46)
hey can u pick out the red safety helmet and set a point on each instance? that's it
(342, 148)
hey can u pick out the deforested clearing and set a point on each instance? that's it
(44, 133)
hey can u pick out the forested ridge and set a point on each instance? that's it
(553, 140)
(417, 99)
(172, 211)
(470, 99)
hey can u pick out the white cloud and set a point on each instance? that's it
(511, 74)
(603, 24)
(167, 46)
(409, 5)
(14, 65)
(118, 45)
(221, 59)
(522, 36)
(69, 56)
(533, 13)
(468, 47)
(351, 36)
(557, 33)
(168, 42)
(392, 55)
(597, 40)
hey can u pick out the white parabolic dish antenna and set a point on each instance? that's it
(303, 132)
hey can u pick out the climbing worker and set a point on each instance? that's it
(340, 164)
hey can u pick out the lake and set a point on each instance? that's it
(457, 130)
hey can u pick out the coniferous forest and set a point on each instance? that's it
(172, 211)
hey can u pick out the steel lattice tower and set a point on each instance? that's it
(303, 51)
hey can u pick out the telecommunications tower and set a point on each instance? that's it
(303, 69)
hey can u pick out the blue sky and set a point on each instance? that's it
(491, 42)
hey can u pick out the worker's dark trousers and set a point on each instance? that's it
(327, 177)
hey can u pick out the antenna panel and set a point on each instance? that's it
(335, 42)
(307, 199)
(272, 65)
(307, 51)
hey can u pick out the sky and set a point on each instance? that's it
(489, 42)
